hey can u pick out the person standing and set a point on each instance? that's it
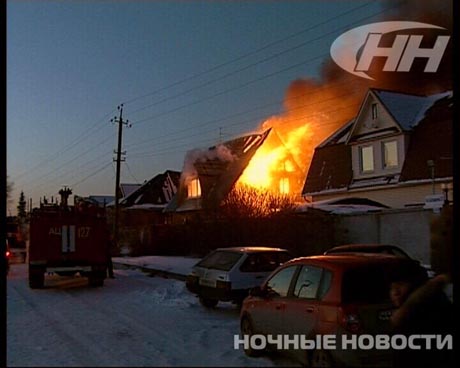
(422, 309)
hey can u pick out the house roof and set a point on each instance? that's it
(406, 109)
(218, 168)
(430, 121)
(102, 199)
(330, 168)
(127, 189)
(158, 191)
(432, 140)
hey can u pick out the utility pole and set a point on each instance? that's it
(118, 152)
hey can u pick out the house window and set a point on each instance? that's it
(284, 185)
(367, 159)
(374, 111)
(194, 189)
(390, 154)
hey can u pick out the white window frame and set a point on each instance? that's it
(361, 159)
(384, 157)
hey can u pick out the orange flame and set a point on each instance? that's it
(313, 112)
(276, 162)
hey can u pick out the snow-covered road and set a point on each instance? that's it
(134, 320)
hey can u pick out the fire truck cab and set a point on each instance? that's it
(68, 239)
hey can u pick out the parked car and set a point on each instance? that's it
(227, 274)
(326, 295)
(368, 248)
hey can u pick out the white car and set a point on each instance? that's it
(227, 274)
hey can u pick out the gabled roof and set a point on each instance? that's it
(157, 191)
(218, 168)
(429, 120)
(330, 168)
(407, 110)
(127, 189)
(432, 140)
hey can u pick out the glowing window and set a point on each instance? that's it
(367, 159)
(390, 154)
(284, 185)
(194, 189)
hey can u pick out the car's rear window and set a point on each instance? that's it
(369, 284)
(264, 261)
(220, 260)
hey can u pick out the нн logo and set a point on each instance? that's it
(399, 57)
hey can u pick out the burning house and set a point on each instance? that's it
(260, 161)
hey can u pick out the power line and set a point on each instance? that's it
(244, 56)
(255, 64)
(91, 175)
(62, 150)
(324, 88)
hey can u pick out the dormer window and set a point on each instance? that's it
(367, 159)
(390, 154)
(194, 189)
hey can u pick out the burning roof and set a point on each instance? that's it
(260, 160)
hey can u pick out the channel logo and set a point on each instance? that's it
(355, 49)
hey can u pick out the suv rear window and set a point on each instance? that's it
(368, 285)
(220, 260)
(264, 261)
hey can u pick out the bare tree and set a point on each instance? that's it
(247, 202)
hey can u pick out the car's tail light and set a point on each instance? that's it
(349, 319)
(7, 253)
(226, 285)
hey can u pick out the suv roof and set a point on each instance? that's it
(371, 248)
(356, 259)
(253, 249)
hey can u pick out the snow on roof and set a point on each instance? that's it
(408, 110)
(339, 208)
(343, 205)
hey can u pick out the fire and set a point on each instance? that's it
(313, 111)
(276, 162)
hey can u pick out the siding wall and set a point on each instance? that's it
(406, 228)
(395, 196)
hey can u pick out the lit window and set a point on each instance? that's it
(194, 189)
(367, 159)
(374, 111)
(390, 154)
(284, 185)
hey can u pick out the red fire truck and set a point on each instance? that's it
(68, 239)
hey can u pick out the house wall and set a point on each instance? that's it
(408, 229)
(397, 196)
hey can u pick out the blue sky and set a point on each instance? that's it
(190, 73)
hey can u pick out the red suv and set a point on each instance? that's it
(325, 295)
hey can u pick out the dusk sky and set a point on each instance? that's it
(190, 74)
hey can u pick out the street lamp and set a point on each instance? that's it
(445, 188)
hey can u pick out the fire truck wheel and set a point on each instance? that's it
(36, 277)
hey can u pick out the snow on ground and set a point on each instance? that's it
(134, 320)
(176, 265)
